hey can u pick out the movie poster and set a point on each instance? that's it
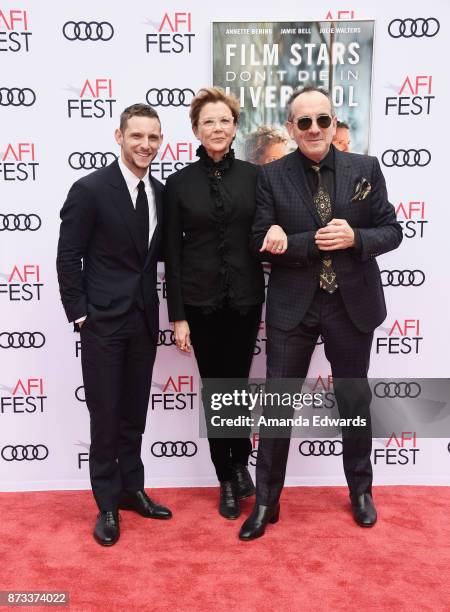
(262, 63)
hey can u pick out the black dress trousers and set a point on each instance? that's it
(224, 342)
(117, 373)
(348, 351)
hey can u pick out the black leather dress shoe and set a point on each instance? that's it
(141, 503)
(255, 526)
(364, 511)
(245, 486)
(228, 502)
(107, 530)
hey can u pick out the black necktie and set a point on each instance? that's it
(322, 202)
(142, 216)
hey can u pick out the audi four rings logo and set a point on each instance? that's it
(21, 340)
(400, 389)
(418, 28)
(402, 278)
(317, 448)
(169, 97)
(174, 449)
(15, 96)
(90, 161)
(166, 337)
(88, 30)
(20, 222)
(29, 452)
(403, 157)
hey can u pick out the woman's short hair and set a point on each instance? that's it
(213, 94)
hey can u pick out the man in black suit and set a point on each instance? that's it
(322, 217)
(107, 258)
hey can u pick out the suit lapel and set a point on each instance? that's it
(158, 203)
(122, 200)
(343, 180)
(298, 179)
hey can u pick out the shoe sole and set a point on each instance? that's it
(252, 538)
(366, 525)
(105, 543)
(230, 518)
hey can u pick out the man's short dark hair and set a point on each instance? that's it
(307, 89)
(137, 110)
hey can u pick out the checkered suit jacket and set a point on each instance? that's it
(284, 198)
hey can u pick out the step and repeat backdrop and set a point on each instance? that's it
(66, 73)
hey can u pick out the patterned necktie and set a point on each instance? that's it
(322, 202)
(142, 216)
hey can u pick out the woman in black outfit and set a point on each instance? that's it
(215, 285)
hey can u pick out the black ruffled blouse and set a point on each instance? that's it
(209, 208)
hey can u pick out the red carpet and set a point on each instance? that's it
(314, 559)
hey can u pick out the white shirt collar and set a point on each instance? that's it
(131, 179)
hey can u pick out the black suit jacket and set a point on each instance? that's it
(284, 198)
(102, 271)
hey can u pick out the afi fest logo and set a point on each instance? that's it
(177, 393)
(161, 285)
(398, 449)
(83, 456)
(413, 98)
(174, 34)
(412, 218)
(14, 31)
(402, 338)
(95, 100)
(171, 157)
(324, 385)
(254, 453)
(261, 340)
(340, 14)
(27, 397)
(18, 162)
(24, 284)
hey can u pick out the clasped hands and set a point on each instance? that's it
(337, 234)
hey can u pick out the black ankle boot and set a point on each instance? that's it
(255, 526)
(229, 503)
(244, 482)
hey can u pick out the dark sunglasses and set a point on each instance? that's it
(323, 121)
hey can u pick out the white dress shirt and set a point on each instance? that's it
(132, 182)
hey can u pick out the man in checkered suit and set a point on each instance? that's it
(322, 218)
